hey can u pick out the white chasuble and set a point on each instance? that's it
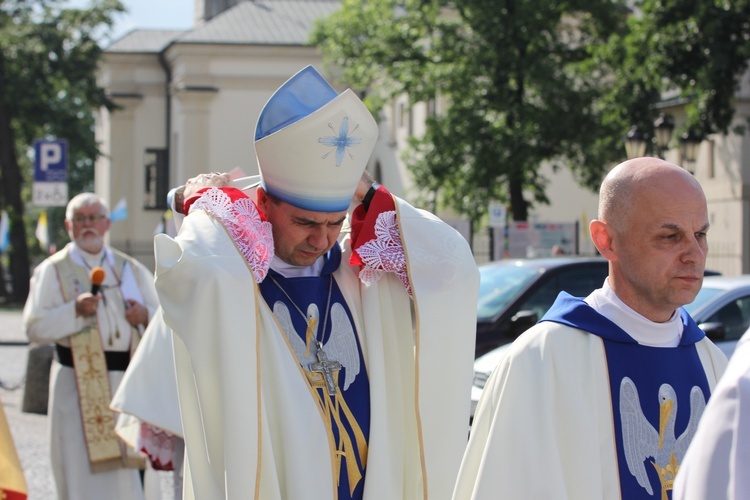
(718, 458)
(544, 426)
(252, 426)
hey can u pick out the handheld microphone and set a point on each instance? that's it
(96, 275)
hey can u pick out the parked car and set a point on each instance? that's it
(721, 309)
(515, 293)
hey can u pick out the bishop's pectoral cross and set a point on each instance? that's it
(326, 367)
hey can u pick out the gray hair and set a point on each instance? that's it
(85, 200)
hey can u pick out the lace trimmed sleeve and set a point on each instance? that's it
(376, 240)
(384, 253)
(242, 220)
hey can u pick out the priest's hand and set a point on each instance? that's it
(365, 183)
(136, 313)
(86, 304)
(195, 184)
(214, 179)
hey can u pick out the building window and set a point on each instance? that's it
(156, 186)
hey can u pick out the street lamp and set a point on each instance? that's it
(690, 143)
(635, 142)
(664, 126)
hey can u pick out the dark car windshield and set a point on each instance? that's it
(499, 285)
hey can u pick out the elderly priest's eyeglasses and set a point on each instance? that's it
(81, 219)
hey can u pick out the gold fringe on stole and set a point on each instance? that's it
(345, 447)
(92, 378)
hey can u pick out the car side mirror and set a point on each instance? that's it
(522, 321)
(714, 330)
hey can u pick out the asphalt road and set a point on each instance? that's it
(30, 430)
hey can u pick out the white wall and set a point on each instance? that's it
(218, 92)
(137, 84)
(569, 202)
(213, 130)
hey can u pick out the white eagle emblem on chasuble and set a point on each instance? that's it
(341, 347)
(642, 442)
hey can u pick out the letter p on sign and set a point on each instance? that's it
(50, 154)
(50, 160)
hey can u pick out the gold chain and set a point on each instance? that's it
(311, 324)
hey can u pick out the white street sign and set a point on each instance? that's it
(50, 194)
(497, 215)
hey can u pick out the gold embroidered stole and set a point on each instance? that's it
(92, 378)
(332, 407)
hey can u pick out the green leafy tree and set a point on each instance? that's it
(517, 78)
(696, 52)
(533, 81)
(48, 61)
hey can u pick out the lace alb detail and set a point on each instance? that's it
(158, 445)
(384, 253)
(241, 218)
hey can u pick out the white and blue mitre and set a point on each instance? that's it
(312, 144)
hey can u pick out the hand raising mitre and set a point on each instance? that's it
(195, 184)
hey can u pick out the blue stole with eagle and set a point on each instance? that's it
(311, 309)
(652, 432)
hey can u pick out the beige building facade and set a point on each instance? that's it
(189, 100)
(723, 169)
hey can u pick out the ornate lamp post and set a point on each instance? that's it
(664, 126)
(690, 144)
(635, 142)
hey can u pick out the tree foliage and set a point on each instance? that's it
(531, 81)
(48, 61)
(693, 51)
(513, 75)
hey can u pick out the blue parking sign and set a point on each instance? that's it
(50, 160)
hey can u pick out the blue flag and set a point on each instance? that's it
(120, 212)
(4, 232)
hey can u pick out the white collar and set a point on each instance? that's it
(646, 332)
(290, 271)
(89, 260)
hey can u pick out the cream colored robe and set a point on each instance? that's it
(716, 464)
(252, 426)
(148, 394)
(543, 428)
(148, 391)
(48, 318)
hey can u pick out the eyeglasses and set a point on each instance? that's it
(81, 219)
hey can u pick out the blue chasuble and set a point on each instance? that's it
(310, 310)
(652, 431)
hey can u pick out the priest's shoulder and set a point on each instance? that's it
(547, 339)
